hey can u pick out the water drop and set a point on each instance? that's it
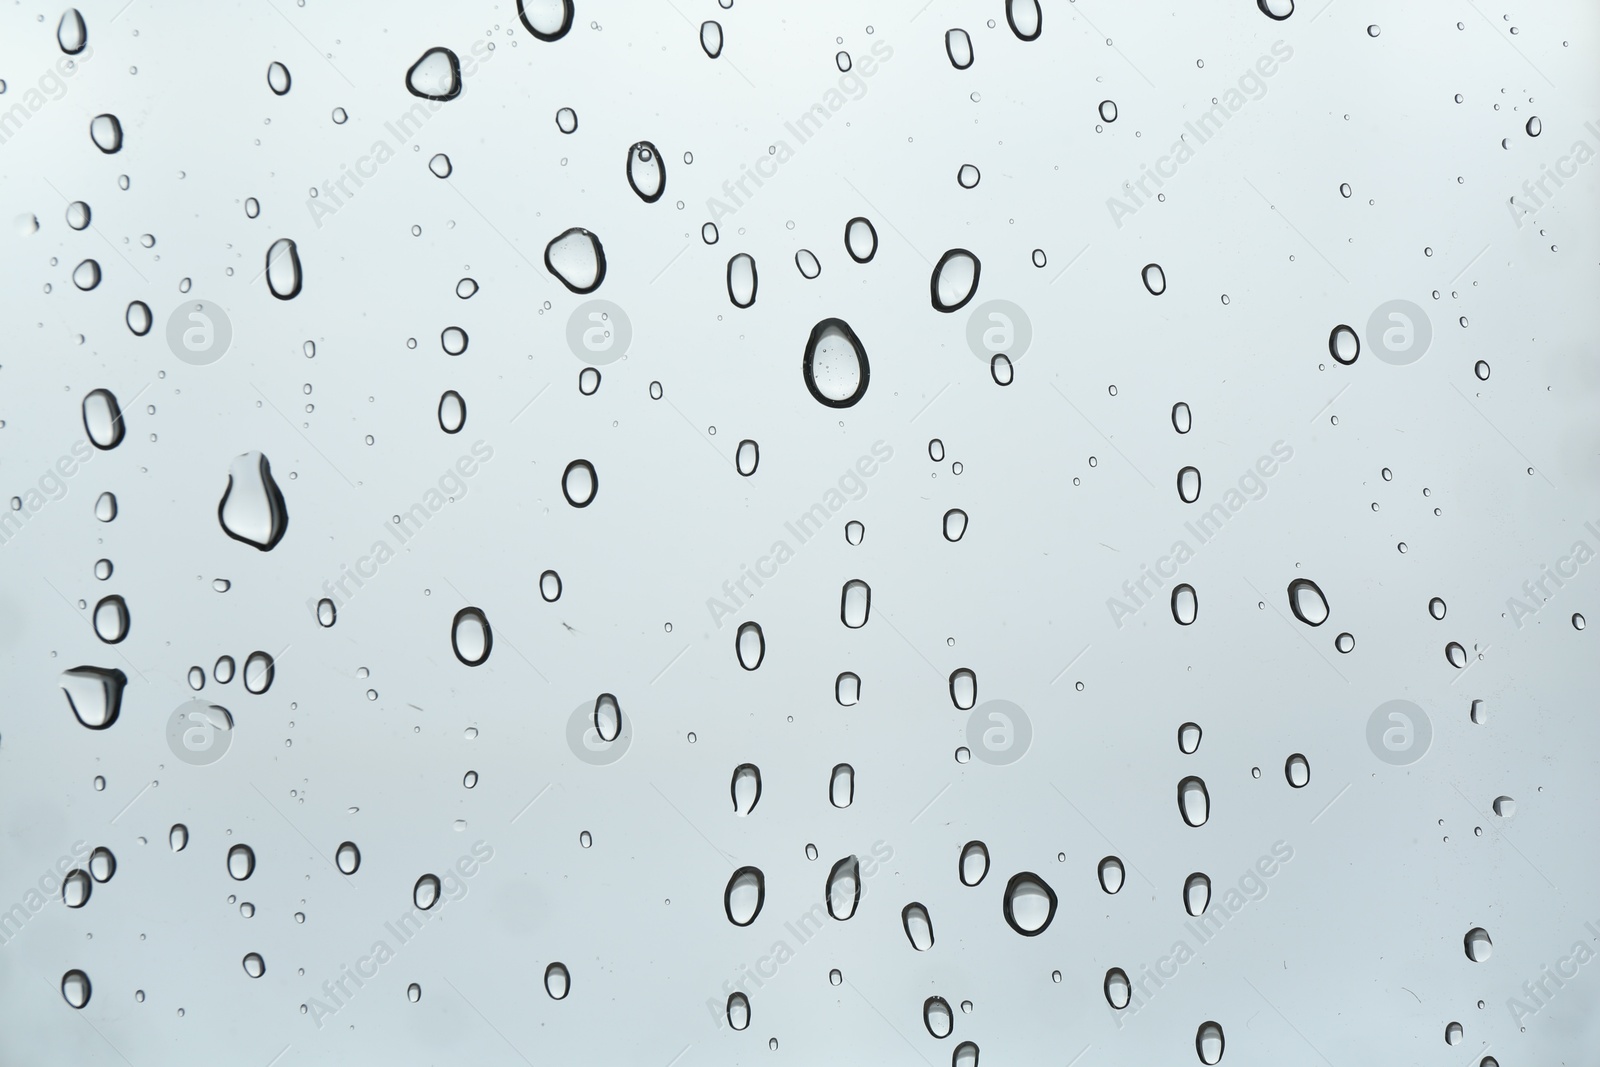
(1196, 894)
(955, 524)
(1478, 946)
(750, 645)
(835, 365)
(963, 688)
(436, 75)
(742, 280)
(1307, 602)
(974, 863)
(1194, 801)
(75, 988)
(548, 20)
(278, 79)
(918, 926)
(1344, 345)
(1185, 605)
(252, 508)
(806, 262)
(452, 412)
(744, 896)
(580, 483)
(106, 133)
(954, 280)
(425, 893)
(577, 259)
(470, 636)
(647, 171)
(842, 785)
(1155, 279)
(557, 981)
(1111, 874)
(1182, 420)
(958, 46)
(348, 857)
(936, 1017)
(711, 38)
(550, 586)
(1189, 738)
(94, 694)
(860, 239)
(1029, 904)
(745, 788)
(1025, 19)
(1209, 1043)
(1297, 770)
(843, 888)
(241, 862)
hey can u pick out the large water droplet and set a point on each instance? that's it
(742, 280)
(711, 38)
(254, 965)
(557, 981)
(1297, 769)
(1276, 9)
(278, 79)
(1307, 602)
(607, 717)
(436, 75)
(1189, 738)
(580, 483)
(71, 33)
(102, 419)
(738, 1011)
(76, 888)
(348, 857)
(1455, 655)
(548, 20)
(471, 639)
(75, 988)
(259, 671)
(835, 364)
(647, 172)
(1344, 344)
(1196, 893)
(252, 508)
(973, 867)
(855, 603)
(577, 259)
(937, 1017)
(860, 239)
(806, 263)
(111, 619)
(550, 586)
(86, 275)
(425, 893)
(1024, 18)
(954, 280)
(958, 46)
(745, 788)
(1189, 484)
(750, 644)
(1029, 904)
(918, 926)
(106, 133)
(1155, 279)
(1185, 604)
(1209, 1043)
(94, 694)
(283, 269)
(844, 888)
(241, 862)
(1194, 801)
(452, 411)
(747, 457)
(847, 689)
(178, 837)
(1477, 943)
(744, 896)
(1118, 990)
(1111, 874)
(78, 215)
(955, 524)
(1182, 420)
(842, 785)
(138, 318)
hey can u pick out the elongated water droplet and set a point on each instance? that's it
(102, 419)
(241, 862)
(963, 688)
(847, 689)
(1276, 9)
(1025, 19)
(1478, 946)
(1307, 602)
(806, 263)
(425, 893)
(844, 888)
(589, 381)
(936, 1016)
(94, 694)
(842, 785)
(348, 857)
(1209, 1043)
(955, 524)
(222, 671)
(577, 259)
(1000, 369)
(1182, 421)
(1189, 738)
(471, 639)
(1436, 608)
(745, 788)
(647, 172)
(138, 318)
(855, 603)
(918, 926)
(178, 837)
(557, 981)
(711, 38)
(1029, 905)
(1344, 344)
(75, 988)
(738, 1011)
(750, 644)
(1194, 801)
(1155, 279)
(958, 46)
(106, 133)
(580, 483)
(1185, 604)
(452, 412)
(71, 33)
(835, 364)
(283, 269)
(327, 613)
(1455, 655)
(973, 867)
(1196, 893)
(76, 888)
(1453, 1033)
(259, 671)
(550, 586)
(1297, 769)
(860, 239)
(548, 20)
(954, 280)
(1534, 126)
(436, 75)
(744, 896)
(111, 619)
(278, 79)
(1111, 874)
(607, 717)
(1189, 484)
(413, 992)
(747, 457)
(742, 280)
(252, 508)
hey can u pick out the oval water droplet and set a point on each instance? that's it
(1108, 111)
(259, 671)
(1209, 1043)
(1479, 947)
(973, 867)
(1534, 126)
(567, 120)
(425, 893)
(744, 896)
(1453, 1033)
(955, 524)
(855, 603)
(71, 33)
(86, 275)
(968, 176)
(806, 263)
(178, 837)
(252, 508)
(1307, 602)
(106, 133)
(105, 507)
(102, 419)
(471, 639)
(954, 280)
(842, 785)
(1194, 801)
(1182, 420)
(1030, 904)
(413, 992)
(742, 280)
(738, 1011)
(1185, 605)
(745, 788)
(1155, 279)
(1344, 344)
(958, 46)
(843, 888)
(711, 38)
(580, 483)
(78, 215)
(557, 981)
(348, 857)
(1455, 655)
(138, 318)
(589, 381)
(1297, 769)
(1276, 9)
(607, 717)
(254, 965)
(647, 171)
(1111, 874)
(76, 888)
(847, 689)
(241, 862)
(1189, 484)
(223, 670)
(454, 340)
(548, 20)
(1025, 19)
(327, 614)
(278, 79)
(550, 586)
(75, 988)
(963, 688)
(1196, 893)
(576, 258)
(111, 619)
(94, 694)
(918, 926)
(854, 531)
(860, 239)
(1505, 807)
(1118, 990)
(750, 644)
(937, 1017)
(436, 75)
(283, 269)
(835, 364)
(1436, 608)
(1189, 738)
(452, 412)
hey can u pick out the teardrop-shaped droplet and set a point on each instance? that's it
(1307, 602)
(855, 603)
(742, 280)
(738, 1011)
(425, 893)
(842, 785)
(577, 259)
(259, 671)
(178, 837)
(1025, 19)
(937, 1017)
(954, 280)
(106, 133)
(557, 981)
(607, 717)
(283, 269)
(580, 483)
(647, 173)
(747, 457)
(75, 988)
(71, 33)
(471, 639)
(1155, 279)
(138, 318)
(1297, 769)
(843, 889)
(1344, 344)
(94, 694)
(1182, 420)
(1276, 9)
(745, 788)
(860, 239)
(436, 75)
(958, 46)
(918, 926)
(1478, 946)
(955, 524)
(744, 896)
(835, 364)
(111, 619)
(1185, 604)
(452, 412)
(1029, 904)
(1189, 484)
(806, 263)
(241, 862)
(1194, 801)
(963, 688)
(1189, 738)
(711, 38)
(548, 20)
(1111, 874)
(76, 888)
(750, 644)
(1455, 655)
(102, 419)
(974, 863)
(550, 586)
(252, 508)
(278, 79)
(348, 857)
(847, 689)
(1209, 1043)
(1196, 893)
(1118, 990)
